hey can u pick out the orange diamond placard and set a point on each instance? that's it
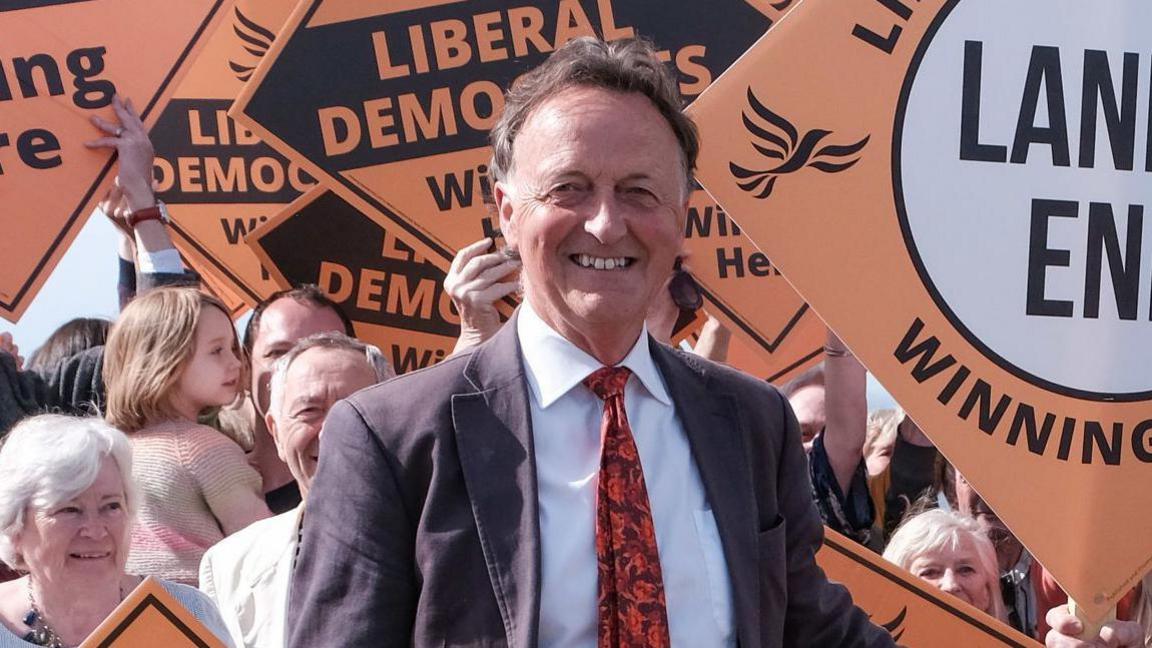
(395, 297)
(775, 334)
(390, 107)
(219, 180)
(60, 63)
(959, 187)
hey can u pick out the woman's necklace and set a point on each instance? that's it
(40, 633)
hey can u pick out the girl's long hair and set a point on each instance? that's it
(146, 353)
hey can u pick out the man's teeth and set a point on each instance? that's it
(91, 555)
(602, 263)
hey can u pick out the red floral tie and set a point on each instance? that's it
(631, 587)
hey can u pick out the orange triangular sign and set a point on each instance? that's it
(60, 63)
(150, 616)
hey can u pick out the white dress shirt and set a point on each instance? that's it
(566, 419)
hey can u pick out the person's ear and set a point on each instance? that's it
(502, 194)
(274, 431)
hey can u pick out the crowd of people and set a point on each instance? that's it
(567, 477)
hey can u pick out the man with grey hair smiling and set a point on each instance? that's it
(571, 482)
(248, 573)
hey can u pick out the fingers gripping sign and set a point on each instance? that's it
(133, 148)
(1069, 632)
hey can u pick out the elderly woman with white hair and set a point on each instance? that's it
(950, 551)
(66, 506)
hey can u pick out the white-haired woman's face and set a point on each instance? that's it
(957, 571)
(82, 539)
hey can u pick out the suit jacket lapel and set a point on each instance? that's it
(712, 423)
(494, 437)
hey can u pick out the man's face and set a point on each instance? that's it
(595, 204)
(285, 322)
(316, 380)
(808, 403)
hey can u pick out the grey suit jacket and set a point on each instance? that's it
(422, 521)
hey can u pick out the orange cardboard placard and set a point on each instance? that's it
(60, 63)
(431, 74)
(393, 295)
(776, 334)
(808, 341)
(962, 201)
(916, 614)
(150, 617)
(397, 123)
(220, 181)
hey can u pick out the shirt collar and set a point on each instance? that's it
(555, 365)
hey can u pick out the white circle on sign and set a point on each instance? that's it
(990, 210)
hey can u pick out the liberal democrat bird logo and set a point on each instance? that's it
(255, 40)
(777, 139)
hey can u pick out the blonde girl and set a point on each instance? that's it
(170, 358)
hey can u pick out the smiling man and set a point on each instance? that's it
(248, 573)
(571, 482)
(277, 324)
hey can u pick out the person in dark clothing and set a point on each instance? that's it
(74, 336)
(831, 406)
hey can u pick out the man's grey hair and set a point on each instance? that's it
(327, 340)
(49, 459)
(628, 65)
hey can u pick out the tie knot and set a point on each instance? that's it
(607, 382)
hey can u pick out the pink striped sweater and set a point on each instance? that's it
(196, 488)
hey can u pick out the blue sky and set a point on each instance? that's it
(82, 285)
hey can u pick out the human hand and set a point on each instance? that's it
(134, 150)
(7, 345)
(477, 280)
(715, 326)
(1066, 629)
(112, 204)
(714, 340)
(114, 208)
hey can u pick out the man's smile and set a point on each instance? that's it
(601, 263)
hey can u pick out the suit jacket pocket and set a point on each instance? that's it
(773, 582)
